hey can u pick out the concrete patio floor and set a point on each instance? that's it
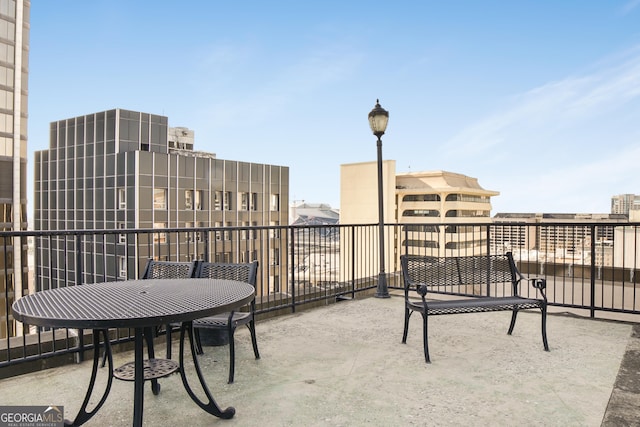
(344, 365)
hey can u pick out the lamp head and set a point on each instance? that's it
(378, 119)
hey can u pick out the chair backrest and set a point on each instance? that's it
(169, 270)
(243, 272)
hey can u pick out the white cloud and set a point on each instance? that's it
(629, 6)
(563, 104)
(567, 146)
(259, 102)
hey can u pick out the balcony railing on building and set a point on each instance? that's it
(593, 267)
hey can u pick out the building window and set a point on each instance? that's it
(122, 267)
(466, 213)
(254, 230)
(197, 200)
(122, 198)
(122, 237)
(254, 201)
(199, 233)
(192, 199)
(218, 226)
(217, 201)
(421, 212)
(227, 201)
(189, 225)
(274, 202)
(244, 201)
(160, 237)
(275, 256)
(188, 199)
(227, 232)
(274, 233)
(467, 198)
(421, 198)
(160, 198)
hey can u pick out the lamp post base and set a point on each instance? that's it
(382, 291)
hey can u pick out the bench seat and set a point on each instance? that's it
(476, 305)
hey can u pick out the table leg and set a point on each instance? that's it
(148, 336)
(211, 406)
(84, 416)
(138, 388)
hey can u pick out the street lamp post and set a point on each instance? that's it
(378, 119)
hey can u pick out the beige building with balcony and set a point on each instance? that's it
(422, 202)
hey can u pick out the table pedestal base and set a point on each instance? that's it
(84, 416)
(140, 370)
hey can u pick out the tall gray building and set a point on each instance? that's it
(14, 70)
(121, 169)
(623, 203)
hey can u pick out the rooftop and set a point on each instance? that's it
(344, 365)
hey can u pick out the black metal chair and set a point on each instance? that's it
(162, 270)
(243, 272)
(169, 270)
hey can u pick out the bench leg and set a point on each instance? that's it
(544, 327)
(425, 338)
(514, 314)
(407, 313)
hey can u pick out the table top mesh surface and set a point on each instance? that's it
(132, 303)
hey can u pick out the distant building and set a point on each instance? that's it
(14, 78)
(623, 203)
(317, 246)
(440, 197)
(128, 170)
(568, 243)
(423, 202)
(313, 214)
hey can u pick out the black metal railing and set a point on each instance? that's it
(593, 266)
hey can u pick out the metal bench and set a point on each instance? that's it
(465, 276)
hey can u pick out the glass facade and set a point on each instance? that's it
(14, 54)
(115, 170)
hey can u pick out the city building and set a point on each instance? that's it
(428, 199)
(128, 170)
(14, 72)
(313, 214)
(565, 240)
(623, 203)
(422, 202)
(318, 246)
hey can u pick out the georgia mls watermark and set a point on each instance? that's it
(31, 416)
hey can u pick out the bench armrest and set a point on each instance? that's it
(538, 283)
(421, 289)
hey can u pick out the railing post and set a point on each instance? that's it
(79, 253)
(293, 270)
(353, 261)
(592, 310)
(79, 282)
(489, 266)
(206, 245)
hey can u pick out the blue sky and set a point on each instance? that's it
(539, 99)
